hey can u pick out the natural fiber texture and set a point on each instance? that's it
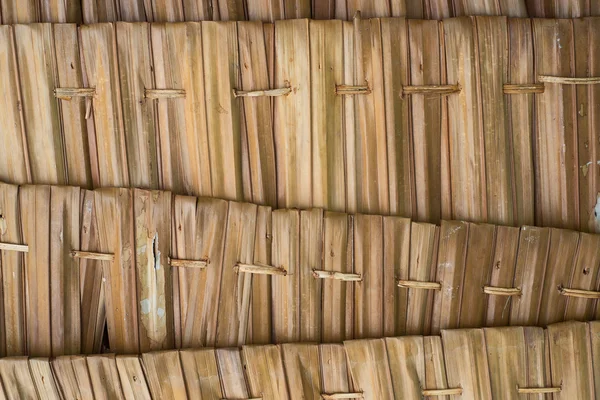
(164, 271)
(93, 11)
(414, 135)
(471, 363)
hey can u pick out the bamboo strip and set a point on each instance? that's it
(395, 70)
(259, 269)
(464, 349)
(595, 346)
(95, 11)
(586, 269)
(370, 137)
(368, 262)
(43, 378)
(257, 129)
(419, 285)
(338, 297)
(68, 93)
(523, 88)
(93, 307)
(502, 275)
(139, 116)
(435, 367)
(188, 10)
(265, 371)
(491, 42)
(585, 33)
(302, 367)
(502, 291)
(262, 93)
(292, 114)
(133, 380)
(540, 390)
(507, 356)
(442, 392)
(17, 380)
(572, 363)
(521, 117)
(534, 244)
(537, 358)
(407, 365)
(156, 94)
(286, 290)
(201, 373)
(77, 131)
(104, 376)
(165, 375)
(334, 369)
(20, 248)
(232, 374)
(36, 57)
(335, 396)
(426, 115)
(234, 311)
(116, 235)
(90, 255)
(582, 294)
(101, 66)
(179, 11)
(34, 202)
(199, 234)
(179, 263)
(65, 291)
(465, 122)
(260, 321)
(558, 271)
(557, 163)
(311, 258)
(348, 90)
(478, 266)
(71, 374)
(340, 276)
(349, 122)
(14, 162)
(183, 139)
(567, 80)
(69, 11)
(370, 372)
(153, 213)
(396, 265)
(451, 265)
(423, 256)
(442, 90)
(327, 137)
(223, 112)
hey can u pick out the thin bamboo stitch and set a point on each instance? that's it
(259, 269)
(340, 276)
(502, 291)
(183, 263)
(23, 248)
(90, 255)
(419, 285)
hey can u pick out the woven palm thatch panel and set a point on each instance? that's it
(92, 11)
(164, 271)
(490, 363)
(476, 119)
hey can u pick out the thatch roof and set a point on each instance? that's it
(359, 121)
(259, 184)
(93, 11)
(477, 363)
(163, 271)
